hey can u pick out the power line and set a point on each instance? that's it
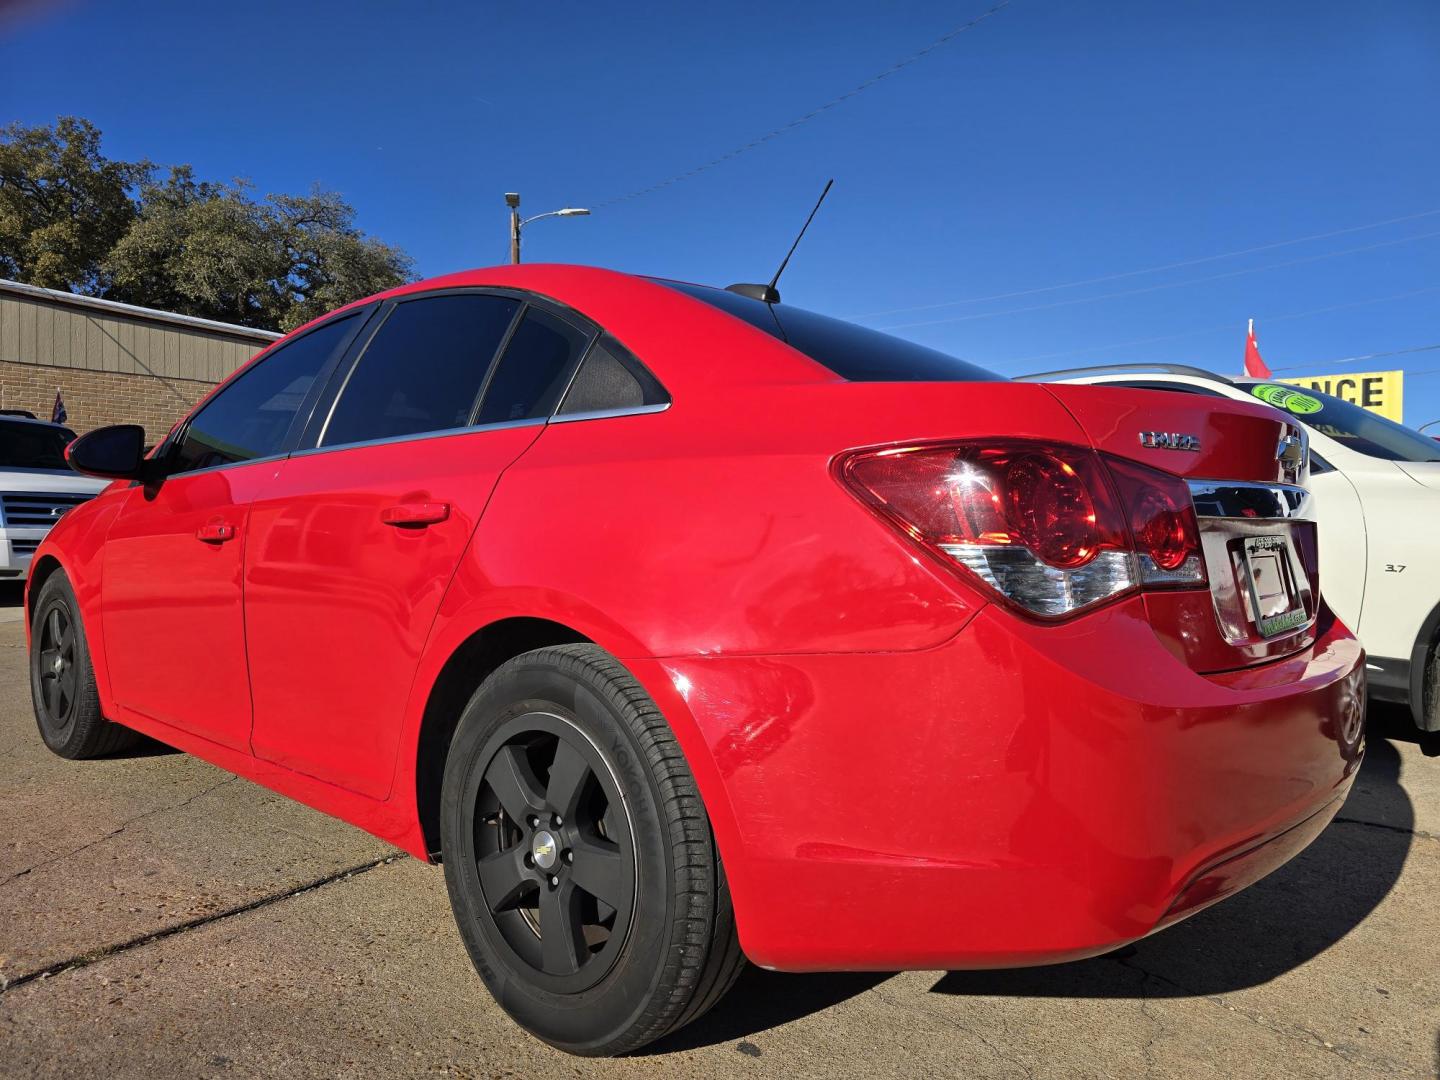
(1366, 356)
(1151, 269)
(1165, 285)
(943, 40)
(1231, 326)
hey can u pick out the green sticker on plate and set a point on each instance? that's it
(1284, 397)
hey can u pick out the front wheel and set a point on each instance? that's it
(62, 682)
(579, 858)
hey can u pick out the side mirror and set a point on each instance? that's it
(115, 453)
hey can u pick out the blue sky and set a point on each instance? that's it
(1056, 142)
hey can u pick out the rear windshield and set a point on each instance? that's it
(33, 446)
(852, 352)
(1349, 425)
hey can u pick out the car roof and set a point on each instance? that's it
(684, 341)
(13, 419)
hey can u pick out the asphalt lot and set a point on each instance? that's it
(160, 917)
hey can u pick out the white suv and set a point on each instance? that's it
(36, 487)
(1377, 497)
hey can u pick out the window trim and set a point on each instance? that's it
(362, 315)
(608, 414)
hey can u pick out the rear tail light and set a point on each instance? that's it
(1052, 529)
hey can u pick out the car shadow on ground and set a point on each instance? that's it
(1273, 927)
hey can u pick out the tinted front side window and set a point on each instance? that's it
(251, 416)
(422, 370)
(33, 446)
(855, 353)
(534, 370)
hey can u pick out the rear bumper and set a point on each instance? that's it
(1020, 795)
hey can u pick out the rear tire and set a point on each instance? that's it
(567, 803)
(62, 680)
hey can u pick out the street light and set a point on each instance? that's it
(512, 200)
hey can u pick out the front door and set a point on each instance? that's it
(354, 543)
(174, 626)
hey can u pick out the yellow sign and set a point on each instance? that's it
(1381, 392)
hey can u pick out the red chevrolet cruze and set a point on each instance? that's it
(686, 626)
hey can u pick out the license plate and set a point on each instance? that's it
(1275, 602)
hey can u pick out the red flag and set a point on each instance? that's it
(1254, 366)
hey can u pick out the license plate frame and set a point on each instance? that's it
(1277, 605)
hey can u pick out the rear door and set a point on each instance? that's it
(174, 627)
(355, 541)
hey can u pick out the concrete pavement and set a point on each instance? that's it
(159, 917)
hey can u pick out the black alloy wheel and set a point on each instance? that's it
(59, 677)
(578, 855)
(554, 851)
(62, 681)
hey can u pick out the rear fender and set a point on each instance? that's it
(470, 605)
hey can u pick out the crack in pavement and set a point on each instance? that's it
(116, 832)
(950, 1021)
(1295, 1032)
(1421, 833)
(74, 963)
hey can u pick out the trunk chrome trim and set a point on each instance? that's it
(1250, 501)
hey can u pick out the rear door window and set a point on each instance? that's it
(535, 369)
(251, 416)
(423, 368)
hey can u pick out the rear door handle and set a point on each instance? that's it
(216, 532)
(415, 514)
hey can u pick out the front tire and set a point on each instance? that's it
(579, 859)
(62, 680)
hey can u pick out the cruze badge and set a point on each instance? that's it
(1169, 440)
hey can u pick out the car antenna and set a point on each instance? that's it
(768, 293)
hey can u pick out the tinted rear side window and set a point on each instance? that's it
(853, 352)
(533, 372)
(611, 378)
(423, 369)
(251, 416)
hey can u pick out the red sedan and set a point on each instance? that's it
(686, 626)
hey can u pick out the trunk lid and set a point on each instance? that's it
(1245, 466)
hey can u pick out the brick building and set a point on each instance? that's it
(112, 363)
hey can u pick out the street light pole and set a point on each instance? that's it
(512, 200)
